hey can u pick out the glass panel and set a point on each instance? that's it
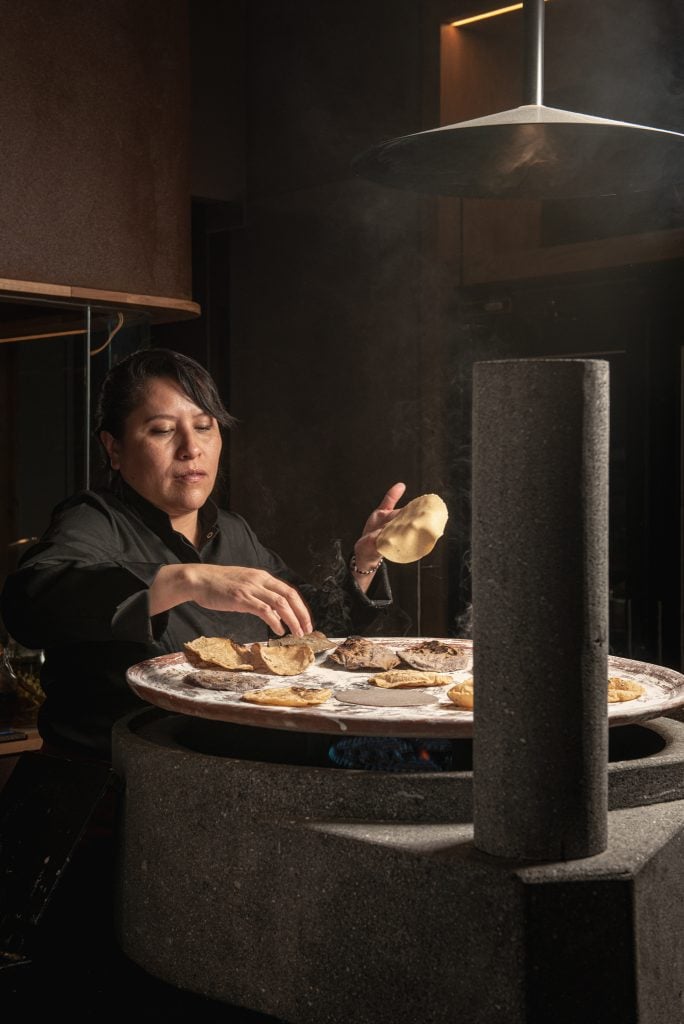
(49, 381)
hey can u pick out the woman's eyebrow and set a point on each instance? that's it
(171, 416)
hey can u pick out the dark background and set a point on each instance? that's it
(203, 151)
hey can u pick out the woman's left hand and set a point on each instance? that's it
(365, 550)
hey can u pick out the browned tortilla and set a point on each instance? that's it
(358, 653)
(435, 656)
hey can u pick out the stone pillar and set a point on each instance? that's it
(540, 607)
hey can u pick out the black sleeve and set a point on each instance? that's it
(338, 606)
(75, 586)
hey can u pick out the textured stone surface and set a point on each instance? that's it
(540, 606)
(253, 884)
(95, 115)
(657, 775)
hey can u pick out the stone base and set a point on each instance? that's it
(285, 889)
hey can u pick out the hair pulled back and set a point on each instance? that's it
(124, 386)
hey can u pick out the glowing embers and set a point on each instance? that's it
(388, 754)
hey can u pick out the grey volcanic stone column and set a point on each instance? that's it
(540, 607)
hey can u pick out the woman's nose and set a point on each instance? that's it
(188, 448)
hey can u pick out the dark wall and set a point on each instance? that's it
(333, 317)
(348, 318)
(331, 354)
(217, 100)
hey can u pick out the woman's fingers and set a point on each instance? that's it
(287, 607)
(365, 545)
(392, 496)
(254, 592)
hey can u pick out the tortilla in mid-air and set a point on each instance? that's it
(414, 531)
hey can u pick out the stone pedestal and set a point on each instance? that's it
(540, 606)
(324, 896)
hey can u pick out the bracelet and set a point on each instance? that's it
(364, 572)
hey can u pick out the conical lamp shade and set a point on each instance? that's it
(532, 152)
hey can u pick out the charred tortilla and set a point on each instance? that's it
(435, 656)
(358, 653)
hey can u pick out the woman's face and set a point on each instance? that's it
(170, 449)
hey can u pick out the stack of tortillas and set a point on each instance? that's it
(415, 529)
(222, 652)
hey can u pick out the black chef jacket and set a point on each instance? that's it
(81, 595)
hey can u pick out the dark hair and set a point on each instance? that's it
(124, 385)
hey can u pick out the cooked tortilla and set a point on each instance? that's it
(462, 694)
(408, 678)
(620, 690)
(218, 652)
(288, 696)
(433, 655)
(317, 641)
(414, 531)
(215, 680)
(358, 653)
(281, 661)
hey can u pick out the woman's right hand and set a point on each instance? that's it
(232, 588)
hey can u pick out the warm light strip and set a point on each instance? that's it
(488, 14)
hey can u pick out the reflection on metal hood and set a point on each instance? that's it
(531, 151)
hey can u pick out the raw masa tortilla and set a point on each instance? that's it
(414, 531)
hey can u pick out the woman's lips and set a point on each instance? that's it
(192, 477)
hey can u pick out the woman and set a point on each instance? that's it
(132, 571)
